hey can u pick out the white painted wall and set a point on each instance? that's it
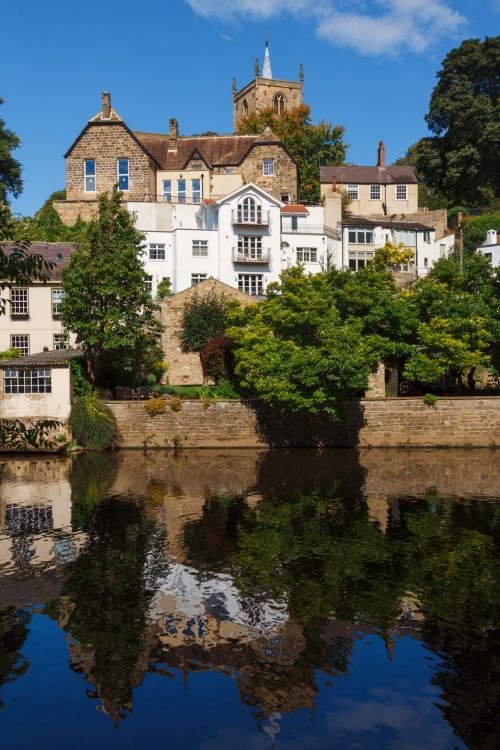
(56, 404)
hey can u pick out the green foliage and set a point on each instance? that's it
(19, 266)
(10, 354)
(106, 302)
(203, 318)
(475, 231)
(16, 436)
(430, 399)
(155, 406)
(81, 384)
(309, 144)
(92, 423)
(11, 183)
(462, 157)
(392, 256)
(46, 225)
(164, 289)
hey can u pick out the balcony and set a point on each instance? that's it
(333, 234)
(255, 218)
(262, 256)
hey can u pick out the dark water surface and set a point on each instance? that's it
(251, 600)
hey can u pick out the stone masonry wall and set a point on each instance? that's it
(402, 422)
(285, 179)
(106, 143)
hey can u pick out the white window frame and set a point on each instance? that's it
(268, 167)
(60, 341)
(375, 189)
(19, 302)
(18, 382)
(156, 251)
(196, 195)
(91, 176)
(24, 350)
(55, 304)
(360, 259)
(307, 254)
(353, 192)
(249, 211)
(199, 249)
(181, 195)
(251, 283)
(250, 246)
(401, 189)
(167, 194)
(123, 174)
(362, 236)
(149, 283)
(198, 278)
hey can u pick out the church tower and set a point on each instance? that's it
(265, 92)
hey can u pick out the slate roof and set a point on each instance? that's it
(58, 253)
(214, 150)
(54, 358)
(362, 221)
(369, 175)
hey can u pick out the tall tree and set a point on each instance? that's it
(11, 183)
(310, 145)
(462, 157)
(107, 303)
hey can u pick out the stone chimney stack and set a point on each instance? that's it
(381, 154)
(173, 134)
(106, 105)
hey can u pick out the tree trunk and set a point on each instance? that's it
(470, 380)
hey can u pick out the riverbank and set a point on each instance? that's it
(398, 422)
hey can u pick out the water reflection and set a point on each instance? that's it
(269, 568)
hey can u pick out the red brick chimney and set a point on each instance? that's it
(106, 105)
(381, 154)
(334, 185)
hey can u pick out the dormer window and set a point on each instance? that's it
(279, 104)
(249, 211)
(123, 174)
(90, 176)
(401, 192)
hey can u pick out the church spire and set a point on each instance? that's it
(267, 72)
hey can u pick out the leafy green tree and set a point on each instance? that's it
(294, 350)
(106, 300)
(164, 289)
(46, 225)
(310, 145)
(462, 157)
(475, 231)
(11, 183)
(392, 256)
(428, 196)
(203, 318)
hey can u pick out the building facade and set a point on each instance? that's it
(491, 247)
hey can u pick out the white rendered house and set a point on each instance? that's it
(491, 247)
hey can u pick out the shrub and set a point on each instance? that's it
(92, 423)
(81, 385)
(164, 289)
(203, 317)
(16, 436)
(430, 399)
(216, 360)
(175, 403)
(155, 406)
(225, 389)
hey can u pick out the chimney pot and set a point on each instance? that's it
(381, 154)
(106, 105)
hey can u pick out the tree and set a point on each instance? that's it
(106, 301)
(428, 196)
(203, 318)
(164, 289)
(293, 349)
(46, 225)
(475, 231)
(462, 157)
(11, 183)
(310, 145)
(392, 256)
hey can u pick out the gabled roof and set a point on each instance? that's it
(97, 121)
(368, 175)
(247, 187)
(214, 150)
(57, 253)
(54, 358)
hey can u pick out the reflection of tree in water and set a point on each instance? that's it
(13, 632)
(333, 566)
(106, 596)
(91, 475)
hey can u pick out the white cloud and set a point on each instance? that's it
(384, 27)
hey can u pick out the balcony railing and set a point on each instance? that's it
(259, 256)
(250, 218)
(334, 234)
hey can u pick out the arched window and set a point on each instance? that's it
(245, 107)
(279, 104)
(249, 211)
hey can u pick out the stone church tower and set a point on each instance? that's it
(265, 91)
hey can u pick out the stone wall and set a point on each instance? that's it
(106, 143)
(285, 178)
(402, 422)
(69, 211)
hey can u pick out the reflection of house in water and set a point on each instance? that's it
(35, 514)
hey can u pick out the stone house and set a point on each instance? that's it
(186, 368)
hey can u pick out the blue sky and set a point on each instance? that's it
(369, 65)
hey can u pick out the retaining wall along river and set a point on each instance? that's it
(399, 422)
